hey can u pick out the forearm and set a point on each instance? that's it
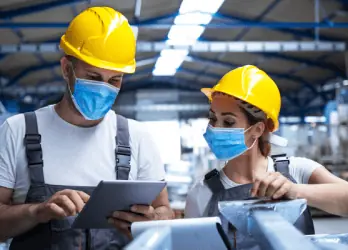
(332, 198)
(15, 220)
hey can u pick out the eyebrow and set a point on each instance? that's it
(99, 75)
(228, 113)
(224, 113)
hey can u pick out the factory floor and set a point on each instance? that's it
(331, 225)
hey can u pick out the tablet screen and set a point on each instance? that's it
(111, 196)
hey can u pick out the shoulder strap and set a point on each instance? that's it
(281, 163)
(212, 179)
(123, 149)
(33, 149)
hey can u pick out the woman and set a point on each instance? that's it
(245, 105)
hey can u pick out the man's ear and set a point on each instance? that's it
(65, 68)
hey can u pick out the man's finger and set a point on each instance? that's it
(84, 196)
(148, 211)
(130, 217)
(120, 224)
(64, 202)
(77, 200)
(56, 211)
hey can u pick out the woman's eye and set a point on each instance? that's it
(228, 123)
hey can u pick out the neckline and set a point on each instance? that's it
(60, 120)
(228, 183)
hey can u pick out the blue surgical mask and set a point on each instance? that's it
(93, 99)
(226, 143)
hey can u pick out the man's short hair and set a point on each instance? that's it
(72, 59)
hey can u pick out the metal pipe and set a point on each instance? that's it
(273, 232)
(137, 9)
(163, 107)
(317, 14)
(204, 46)
(266, 25)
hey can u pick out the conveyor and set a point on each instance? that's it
(266, 226)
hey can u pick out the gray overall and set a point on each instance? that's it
(242, 192)
(57, 234)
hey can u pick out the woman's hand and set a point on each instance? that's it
(273, 185)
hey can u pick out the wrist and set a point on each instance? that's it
(294, 192)
(33, 212)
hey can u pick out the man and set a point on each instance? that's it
(51, 160)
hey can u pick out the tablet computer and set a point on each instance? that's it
(111, 196)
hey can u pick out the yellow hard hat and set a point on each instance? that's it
(252, 85)
(101, 37)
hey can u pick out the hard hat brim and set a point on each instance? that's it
(208, 92)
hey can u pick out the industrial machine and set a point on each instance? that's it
(265, 225)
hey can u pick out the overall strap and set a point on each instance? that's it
(123, 150)
(281, 163)
(33, 149)
(212, 180)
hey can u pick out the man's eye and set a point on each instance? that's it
(94, 78)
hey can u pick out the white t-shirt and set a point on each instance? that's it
(72, 155)
(199, 196)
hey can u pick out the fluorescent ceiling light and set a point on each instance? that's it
(206, 6)
(187, 32)
(169, 62)
(164, 72)
(193, 18)
(174, 53)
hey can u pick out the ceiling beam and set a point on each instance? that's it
(268, 9)
(232, 25)
(299, 80)
(309, 33)
(31, 9)
(322, 65)
(201, 46)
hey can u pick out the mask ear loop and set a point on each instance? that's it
(73, 71)
(252, 145)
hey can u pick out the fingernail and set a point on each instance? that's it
(116, 214)
(110, 221)
(134, 209)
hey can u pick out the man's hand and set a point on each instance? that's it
(273, 185)
(61, 204)
(123, 220)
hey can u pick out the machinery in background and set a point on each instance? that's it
(335, 149)
(263, 225)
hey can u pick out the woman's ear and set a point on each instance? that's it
(258, 130)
